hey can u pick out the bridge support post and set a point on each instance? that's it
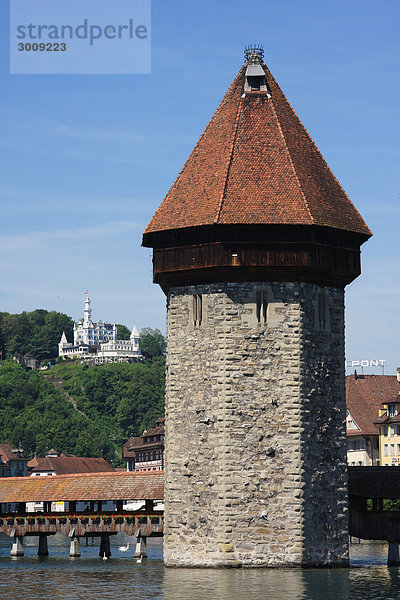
(393, 554)
(75, 548)
(43, 549)
(140, 550)
(105, 546)
(17, 547)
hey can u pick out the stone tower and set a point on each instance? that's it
(253, 246)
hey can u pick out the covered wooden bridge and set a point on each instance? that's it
(94, 489)
(369, 518)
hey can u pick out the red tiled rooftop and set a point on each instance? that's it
(72, 464)
(364, 397)
(154, 431)
(256, 164)
(133, 442)
(7, 454)
(83, 486)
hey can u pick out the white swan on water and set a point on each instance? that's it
(123, 548)
(105, 556)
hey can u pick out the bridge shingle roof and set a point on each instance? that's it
(84, 486)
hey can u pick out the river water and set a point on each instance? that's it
(58, 577)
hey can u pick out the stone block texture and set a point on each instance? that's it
(255, 426)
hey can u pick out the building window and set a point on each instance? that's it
(385, 450)
(356, 444)
(392, 410)
(391, 449)
(392, 430)
(385, 430)
(197, 309)
(261, 307)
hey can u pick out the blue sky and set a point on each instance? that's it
(86, 159)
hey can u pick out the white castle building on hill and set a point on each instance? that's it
(99, 341)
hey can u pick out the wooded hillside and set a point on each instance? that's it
(86, 411)
(77, 409)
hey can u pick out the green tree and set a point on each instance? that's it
(123, 333)
(37, 332)
(151, 342)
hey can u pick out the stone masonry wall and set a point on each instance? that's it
(255, 426)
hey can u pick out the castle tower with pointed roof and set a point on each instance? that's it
(98, 341)
(253, 246)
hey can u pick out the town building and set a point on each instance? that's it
(388, 423)
(30, 362)
(364, 397)
(98, 341)
(146, 452)
(55, 463)
(14, 459)
(253, 246)
(4, 469)
(13, 463)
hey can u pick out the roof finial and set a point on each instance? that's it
(254, 54)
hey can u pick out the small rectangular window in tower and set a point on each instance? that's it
(261, 307)
(322, 311)
(197, 309)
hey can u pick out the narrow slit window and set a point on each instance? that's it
(258, 307)
(261, 307)
(322, 311)
(264, 306)
(197, 309)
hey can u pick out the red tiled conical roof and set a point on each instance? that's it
(256, 164)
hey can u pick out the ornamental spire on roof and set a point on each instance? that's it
(255, 163)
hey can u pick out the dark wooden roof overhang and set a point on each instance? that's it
(233, 253)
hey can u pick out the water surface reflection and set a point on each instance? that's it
(59, 577)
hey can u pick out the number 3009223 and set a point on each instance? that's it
(42, 47)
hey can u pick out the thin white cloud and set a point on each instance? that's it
(37, 239)
(117, 136)
(44, 126)
(14, 200)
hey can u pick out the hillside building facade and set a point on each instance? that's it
(98, 341)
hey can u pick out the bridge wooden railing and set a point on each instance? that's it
(83, 524)
(375, 525)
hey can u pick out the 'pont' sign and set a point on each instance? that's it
(366, 363)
